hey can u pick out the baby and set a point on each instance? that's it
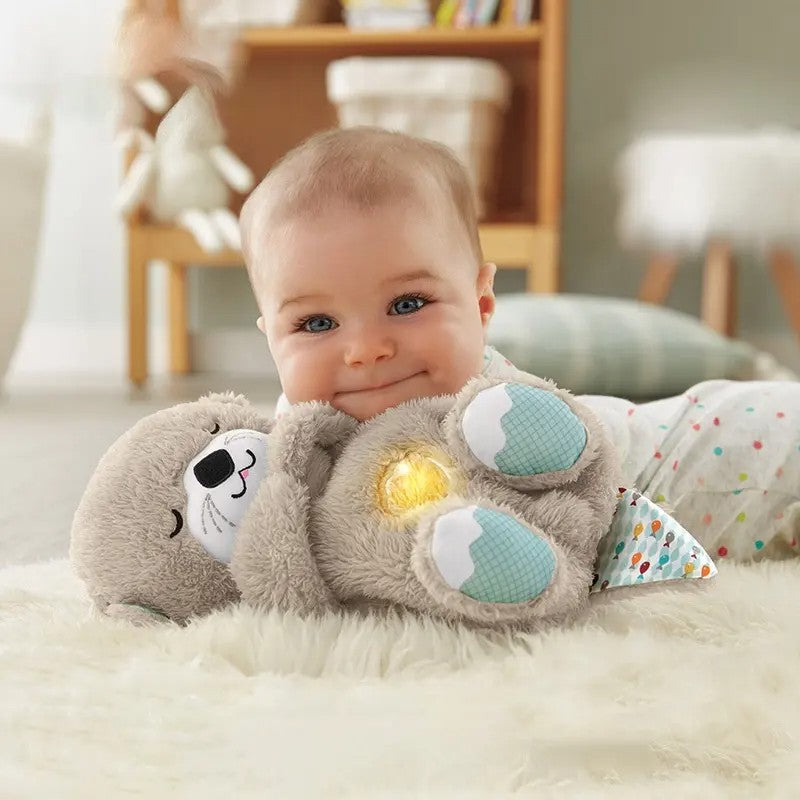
(362, 249)
(363, 253)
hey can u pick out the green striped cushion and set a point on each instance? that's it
(605, 345)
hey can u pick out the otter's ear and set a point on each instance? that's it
(225, 397)
(141, 616)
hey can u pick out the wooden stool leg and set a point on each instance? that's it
(786, 274)
(718, 305)
(658, 279)
(137, 311)
(179, 360)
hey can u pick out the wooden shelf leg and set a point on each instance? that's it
(543, 269)
(137, 310)
(786, 275)
(718, 304)
(179, 359)
(550, 134)
(658, 279)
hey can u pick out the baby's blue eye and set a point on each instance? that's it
(408, 305)
(318, 324)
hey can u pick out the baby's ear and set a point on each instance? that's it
(486, 300)
(486, 276)
(260, 325)
(141, 616)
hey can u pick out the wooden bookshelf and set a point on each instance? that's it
(281, 99)
(340, 40)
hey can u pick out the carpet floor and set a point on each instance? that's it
(684, 693)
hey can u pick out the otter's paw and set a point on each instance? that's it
(522, 430)
(491, 556)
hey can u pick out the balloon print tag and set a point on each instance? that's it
(645, 544)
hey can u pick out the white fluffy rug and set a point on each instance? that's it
(689, 693)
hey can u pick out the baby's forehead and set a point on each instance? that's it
(279, 208)
(357, 243)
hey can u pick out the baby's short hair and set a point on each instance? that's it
(364, 167)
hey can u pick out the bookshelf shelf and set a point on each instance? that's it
(339, 40)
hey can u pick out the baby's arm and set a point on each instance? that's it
(639, 432)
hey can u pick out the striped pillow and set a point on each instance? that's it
(605, 345)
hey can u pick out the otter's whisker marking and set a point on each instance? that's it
(207, 508)
(214, 506)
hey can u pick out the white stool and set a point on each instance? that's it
(714, 194)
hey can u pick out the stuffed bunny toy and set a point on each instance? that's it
(485, 508)
(185, 173)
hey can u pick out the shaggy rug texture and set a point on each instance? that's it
(689, 692)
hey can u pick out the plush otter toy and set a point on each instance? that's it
(488, 508)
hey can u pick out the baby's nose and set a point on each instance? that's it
(368, 350)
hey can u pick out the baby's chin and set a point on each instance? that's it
(363, 410)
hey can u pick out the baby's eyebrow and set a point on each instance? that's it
(406, 277)
(302, 298)
(411, 276)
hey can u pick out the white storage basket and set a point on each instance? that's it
(253, 13)
(456, 101)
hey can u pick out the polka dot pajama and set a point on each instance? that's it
(723, 459)
(728, 466)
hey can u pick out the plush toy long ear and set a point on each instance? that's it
(138, 615)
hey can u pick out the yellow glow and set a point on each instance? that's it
(411, 481)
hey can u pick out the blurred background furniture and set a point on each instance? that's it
(281, 99)
(23, 171)
(714, 195)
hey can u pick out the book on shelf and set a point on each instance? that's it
(386, 14)
(486, 12)
(446, 12)
(517, 12)
(523, 11)
(478, 13)
(465, 15)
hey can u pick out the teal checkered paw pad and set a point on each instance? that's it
(520, 430)
(490, 556)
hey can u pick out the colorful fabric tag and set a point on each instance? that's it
(645, 544)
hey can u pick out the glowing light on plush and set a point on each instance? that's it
(414, 480)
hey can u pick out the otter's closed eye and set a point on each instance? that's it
(178, 523)
(216, 429)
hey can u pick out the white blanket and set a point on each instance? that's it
(687, 692)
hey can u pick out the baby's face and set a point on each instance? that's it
(365, 310)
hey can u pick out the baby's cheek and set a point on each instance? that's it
(305, 379)
(303, 391)
(456, 374)
(456, 357)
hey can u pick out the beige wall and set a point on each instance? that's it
(636, 65)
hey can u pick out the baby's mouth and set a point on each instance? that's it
(379, 387)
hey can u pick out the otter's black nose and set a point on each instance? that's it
(214, 469)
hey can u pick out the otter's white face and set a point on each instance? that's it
(220, 482)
